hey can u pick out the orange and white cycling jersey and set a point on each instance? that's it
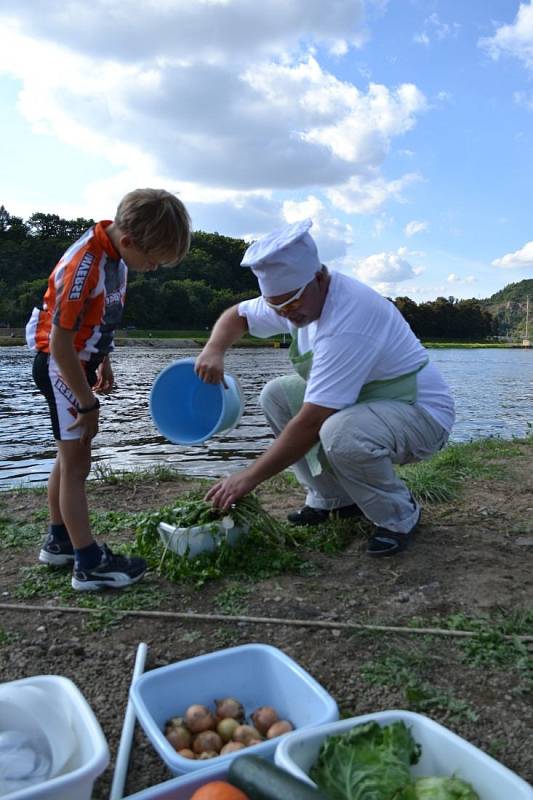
(85, 293)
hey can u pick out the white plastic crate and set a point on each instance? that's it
(73, 732)
(443, 753)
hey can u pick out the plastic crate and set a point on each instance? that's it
(89, 754)
(255, 674)
(443, 753)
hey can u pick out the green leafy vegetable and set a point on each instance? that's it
(368, 762)
(444, 789)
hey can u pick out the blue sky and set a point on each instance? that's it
(402, 127)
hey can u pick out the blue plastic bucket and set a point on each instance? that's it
(186, 410)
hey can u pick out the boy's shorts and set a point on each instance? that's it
(62, 402)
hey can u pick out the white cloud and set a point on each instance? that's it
(523, 99)
(415, 226)
(435, 29)
(453, 278)
(384, 269)
(514, 40)
(176, 97)
(517, 260)
(362, 195)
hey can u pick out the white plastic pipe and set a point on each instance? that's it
(124, 748)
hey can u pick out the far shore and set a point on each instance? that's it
(172, 339)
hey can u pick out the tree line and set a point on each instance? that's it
(190, 296)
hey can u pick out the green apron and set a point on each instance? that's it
(403, 389)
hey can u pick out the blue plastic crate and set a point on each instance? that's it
(182, 788)
(255, 674)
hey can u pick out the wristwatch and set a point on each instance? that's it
(87, 409)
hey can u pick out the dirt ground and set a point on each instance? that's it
(471, 558)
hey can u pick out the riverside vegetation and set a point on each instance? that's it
(467, 572)
(210, 280)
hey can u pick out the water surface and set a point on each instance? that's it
(493, 390)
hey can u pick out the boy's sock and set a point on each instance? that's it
(59, 532)
(88, 557)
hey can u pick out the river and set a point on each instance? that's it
(493, 390)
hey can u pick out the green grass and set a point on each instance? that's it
(42, 581)
(439, 479)
(401, 671)
(489, 647)
(5, 638)
(233, 599)
(161, 473)
(18, 535)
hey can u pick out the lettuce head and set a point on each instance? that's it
(368, 762)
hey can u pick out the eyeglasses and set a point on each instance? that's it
(288, 305)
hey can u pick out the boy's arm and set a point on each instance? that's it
(63, 350)
(228, 329)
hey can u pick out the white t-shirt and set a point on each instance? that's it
(359, 337)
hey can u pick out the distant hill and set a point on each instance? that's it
(509, 307)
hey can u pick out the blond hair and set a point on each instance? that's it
(157, 221)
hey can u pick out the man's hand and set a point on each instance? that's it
(210, 365)
(105, 380)
(227, 491)
(88, 425)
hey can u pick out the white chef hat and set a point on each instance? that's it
(284, 260)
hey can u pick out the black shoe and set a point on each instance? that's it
(314, 516)
(388, 543)
(113, 571)
(56, 552)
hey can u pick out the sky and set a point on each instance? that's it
(401, 127)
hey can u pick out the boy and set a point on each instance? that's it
(73, 336)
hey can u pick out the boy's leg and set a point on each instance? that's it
(74, 464)
(57, 549)
(54, 480)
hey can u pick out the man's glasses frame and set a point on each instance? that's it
(296, 296)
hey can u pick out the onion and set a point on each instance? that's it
(279, 728)
(264, 717)
(229, 707)
(244, 733)
(207, 741)
(252, 741)
(226, 728)
(174, 722)
(207, 754)
(199, 718)
(186, 753)
(179, 738)
(231, 747)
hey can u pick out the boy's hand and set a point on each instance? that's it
(105, 378)
(210, 366)
(88, 425)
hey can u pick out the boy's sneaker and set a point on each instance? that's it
(56, 552)
(112, 572)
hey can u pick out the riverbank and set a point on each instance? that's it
(168, 342)
(468, 570)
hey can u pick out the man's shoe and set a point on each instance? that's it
(56, 552)
(113, 572)
(388, 543)
(315, 516)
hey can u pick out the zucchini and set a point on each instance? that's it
(263, 780)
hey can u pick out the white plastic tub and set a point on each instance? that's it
(198, 538)
(74, 730)
(443, 753)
